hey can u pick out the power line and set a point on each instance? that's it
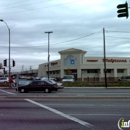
(26, 4)
(118, 37)
(40, 8)
(64, 41)
(118, 31)
(55, 43)
(77, 38)
(14, 3)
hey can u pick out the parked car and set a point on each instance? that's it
(124, 78)
(68, 78)
(36, 78)
(22, 77)
(29, 78)
(59, 85)
(37, 85)
(4, 79)
(44, 78)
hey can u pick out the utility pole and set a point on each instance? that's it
(22, 68)
(48, 50)
(104, 48)
(30, 68)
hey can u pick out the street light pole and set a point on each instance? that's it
(1, 20)
(105, 70)
(48, 50)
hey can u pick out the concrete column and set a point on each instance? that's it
(127, 72)
(79, 73)
(61, 73)
(115, 73)
(101, 74)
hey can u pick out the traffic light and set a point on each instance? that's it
(5, 62)
(13, 63)
(123, 10)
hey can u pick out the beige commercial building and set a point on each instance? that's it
(73, 61)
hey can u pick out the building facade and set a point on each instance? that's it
(73, 61)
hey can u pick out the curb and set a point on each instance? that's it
(70, 97)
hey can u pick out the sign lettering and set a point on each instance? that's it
(114, 60)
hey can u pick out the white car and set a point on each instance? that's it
(44, 78)
(4, 80)
(68, 78)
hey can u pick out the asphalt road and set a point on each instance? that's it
(61, 114)
(75, 92)
(29, 113)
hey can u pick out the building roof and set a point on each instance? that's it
(72, 50)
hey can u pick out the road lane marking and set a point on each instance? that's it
(64, 115)
(7, 92)
(100, 114)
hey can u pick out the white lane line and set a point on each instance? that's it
(100, 114)
(62, 114)
(7, 92)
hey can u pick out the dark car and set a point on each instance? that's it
(23, 82)
(38, 85)
(124, 78)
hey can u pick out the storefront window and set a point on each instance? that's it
(108, 70)
(92, 70)
(120, 71)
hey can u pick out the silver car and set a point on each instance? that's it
(4, 80)
(68, 78)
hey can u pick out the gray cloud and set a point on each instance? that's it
(69, 20)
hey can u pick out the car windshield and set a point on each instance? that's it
(24, 82)
(50, 81)
(123, 77)
(68, 77)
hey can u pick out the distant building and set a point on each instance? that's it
(73, 61)
(33, 72)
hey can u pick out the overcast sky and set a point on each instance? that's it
(75, 24)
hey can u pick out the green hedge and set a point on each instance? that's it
(87, 84)
(96, 84)
(4, 84)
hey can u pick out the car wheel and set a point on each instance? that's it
(47, 90)
(56, 89)
(5, 82)
(22, 90)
